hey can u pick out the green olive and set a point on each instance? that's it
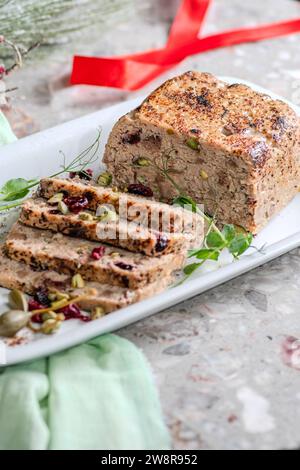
(13, 321)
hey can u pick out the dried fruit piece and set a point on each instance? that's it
(37, 318)
(126, 267)
(131, 138)
(17, 300)
(72, 311)
(140, 190)
(162, 243)
(78, 281)
(34, 305)
(98, 253)
(42, 296)
(13, 321)
(76, 204)
(105, 179)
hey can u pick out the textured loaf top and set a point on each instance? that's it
(234, 118)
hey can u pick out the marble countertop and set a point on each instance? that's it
(227, 363)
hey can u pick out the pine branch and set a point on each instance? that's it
(49, 21)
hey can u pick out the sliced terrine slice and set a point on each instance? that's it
(132, 207)
(228, 147)
(18, 275)
(43, 249)
(39, 213)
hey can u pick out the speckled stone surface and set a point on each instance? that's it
(227, 363)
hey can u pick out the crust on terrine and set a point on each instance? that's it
(233, 149)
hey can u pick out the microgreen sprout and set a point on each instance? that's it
(231, 237)
(15, 190)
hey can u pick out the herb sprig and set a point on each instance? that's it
(233, 238)
(15, 190)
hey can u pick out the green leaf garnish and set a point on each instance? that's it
(237, 241)
(240, 244)
(190, 268)
(15, 189)
(215, 240)
(204, 254)
(229, 232)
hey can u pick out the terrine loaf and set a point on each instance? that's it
(132, 207)
(229, 147)
(18, 275)
(39, 213)
(43, 249)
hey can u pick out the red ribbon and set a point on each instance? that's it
(131, 72)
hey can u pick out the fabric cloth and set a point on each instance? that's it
(99, 395)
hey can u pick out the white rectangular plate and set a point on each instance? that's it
(39, 155)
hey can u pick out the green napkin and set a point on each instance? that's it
(99, 395)
(6, 134)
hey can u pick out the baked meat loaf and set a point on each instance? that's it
(233, 149)
(18, 275)
(43, 249)
(38, 213)
(134, 208)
